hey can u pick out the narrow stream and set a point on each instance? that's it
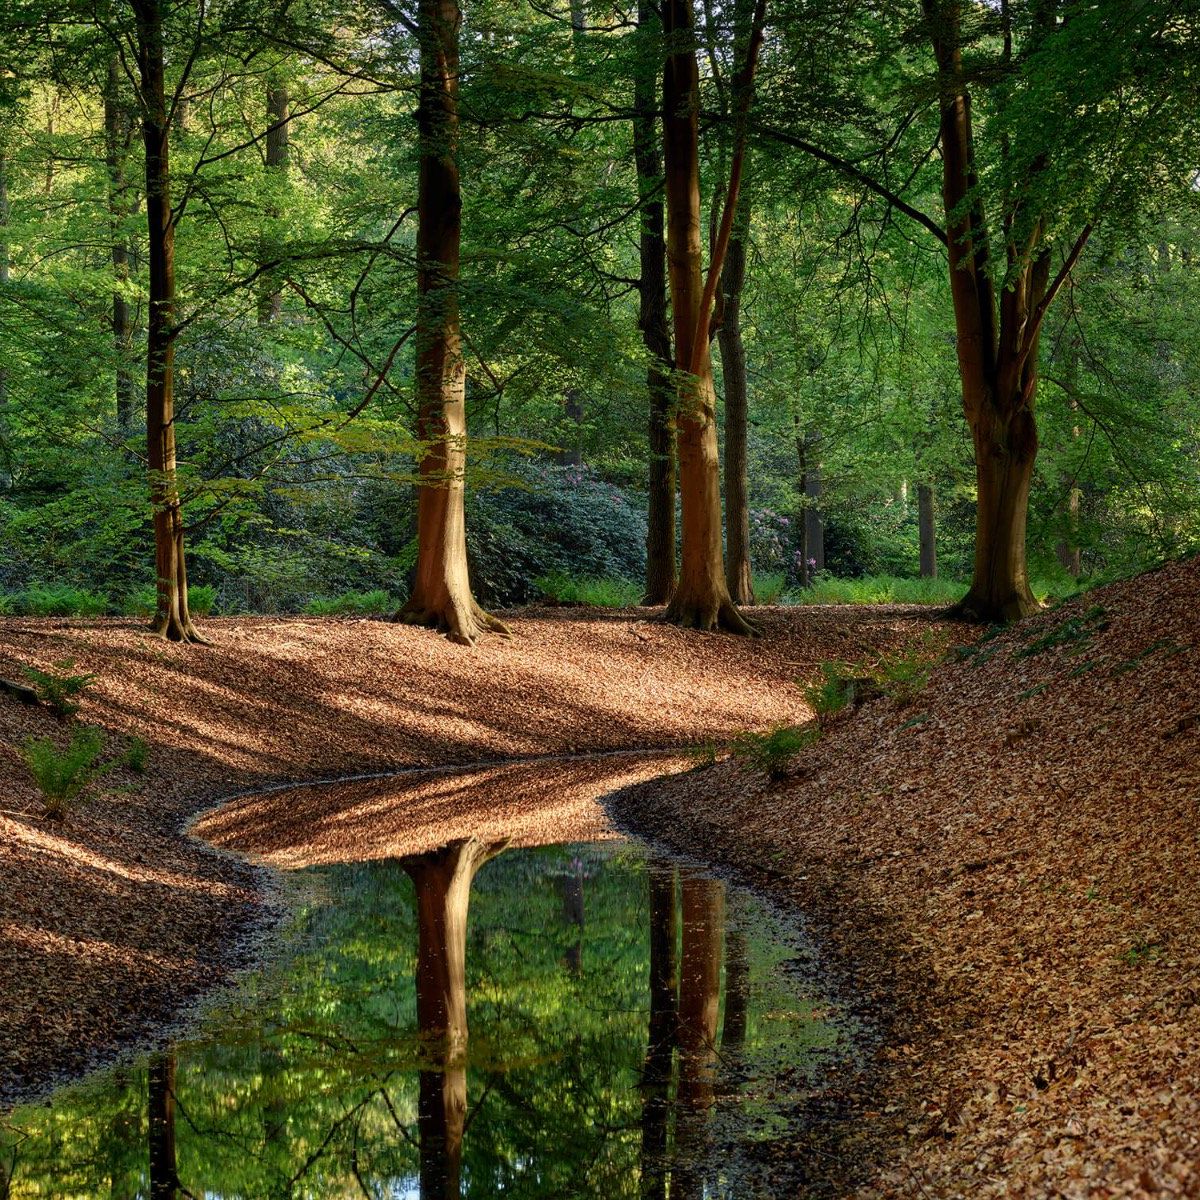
(604, 1024)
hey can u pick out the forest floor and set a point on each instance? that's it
(1005, 871)
(114, 921)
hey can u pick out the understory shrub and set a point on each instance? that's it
(880, 589)
(769, 586)
(353, 604)
(560, 588)
(137, 754)
(63, 776)
(58, 687)
(58, 600)
(772, 752)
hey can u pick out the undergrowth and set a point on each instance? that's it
(353, 604)
(63, 776)
(772, 752)
(560, 588)
(58, 687)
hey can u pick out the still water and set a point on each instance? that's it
(604, 1024)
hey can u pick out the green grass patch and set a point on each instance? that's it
(880, 589)
(560, 588)
(56, 600)
(769, 587)
(362, 604)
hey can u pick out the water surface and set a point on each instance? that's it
(610, 1025)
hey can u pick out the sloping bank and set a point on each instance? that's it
(114, 921)
(1007, 872)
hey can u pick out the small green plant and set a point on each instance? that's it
(137, 754)
(832, 693)
(361, 604)
(768, 587)
(62, 776)
(1140, 953)
(1075, 632)
(58, 687)
(904, 674)
(705, 754)
(560, 588)
(772, 752)
(59, 600)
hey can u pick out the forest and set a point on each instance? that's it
(598, 599)
(305, 308)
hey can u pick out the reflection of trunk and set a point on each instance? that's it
(656, 1071)
(702, 597)
(270, 299)
(652, 320)
(124, 1150)
(164, 1180)
(927, 526)
(733, 371)
(172, 619)
(118, 133)
(573, 913)
(441, 595)
(699, 1002)
(442, 881)
(737, 992)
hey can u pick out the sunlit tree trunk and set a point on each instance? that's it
(733, 372)
(660, 1043)
(701, 598)
(172, 619)
(927, 530)
(652, 320)
(164, 1177)
(442, 881)
(278, 154)
(118, 133)
(441, 595)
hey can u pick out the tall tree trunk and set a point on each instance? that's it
(118, 133)
(927, 530)
(660, 1043)
(270, 297)
(733, 371)
(652, 321)
(812, 524)
(4, 262)
(164, 1177)
(997, 351)
(441, 595)
(442, 881)
(172, 619)
(701, 598)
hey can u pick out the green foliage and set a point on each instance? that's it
(774, 751)
(142, 601)
(706, 753)
(904, 674)
(1075, 631)
(63, 776)
(58, 687)
(137, 754)
(832, 693)
(369, 603)
(880, 589)
(769, 587)
(58, 600)
(559, 588)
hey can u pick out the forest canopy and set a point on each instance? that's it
(312, 305)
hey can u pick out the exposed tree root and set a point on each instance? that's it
(709, 616)
(979, 611)
(462, 623)
(172, 628)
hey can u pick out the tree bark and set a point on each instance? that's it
(812, 524)
(441, 595)
(278, 153)
(733, 372)
(118, 133)
(172, 619)
(442, 881)
(701, 598)
(652, 321)
(927, 530)
(997, 351)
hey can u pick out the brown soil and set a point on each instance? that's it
(1005, 870)
(114, 920)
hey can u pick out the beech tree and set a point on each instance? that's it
(702, 598)
(441, 595)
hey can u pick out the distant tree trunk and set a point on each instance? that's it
(927, 526)
(572, 455)
(441, 595)
(172, 619)
(270, 297)
(164, 1177)
(1070, 556)
(733, 371)
(812, 526)
(652, 320)
(699, 1004)
(4, 262)
(442, 881)
(660, 1044)
(701, 598)
(118, 133)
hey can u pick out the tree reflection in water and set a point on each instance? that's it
(347, 1070)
